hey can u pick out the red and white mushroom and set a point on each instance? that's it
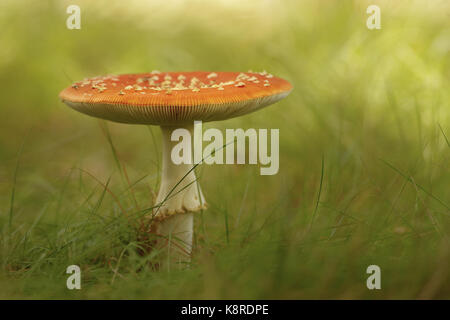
(174, 100)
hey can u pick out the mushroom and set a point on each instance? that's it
(175, 100)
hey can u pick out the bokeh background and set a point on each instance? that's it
(364, 151)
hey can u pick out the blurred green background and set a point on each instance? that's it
(364, 151)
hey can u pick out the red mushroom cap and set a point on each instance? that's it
(175, 97)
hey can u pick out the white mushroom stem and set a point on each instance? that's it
(179, 196)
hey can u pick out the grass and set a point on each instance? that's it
(364, 152)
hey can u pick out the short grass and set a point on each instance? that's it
(364, 151)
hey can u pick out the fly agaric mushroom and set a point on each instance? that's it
(175, 100)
